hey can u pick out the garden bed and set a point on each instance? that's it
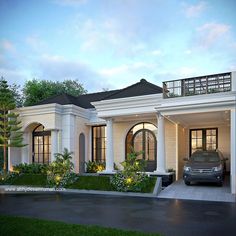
(101, 183)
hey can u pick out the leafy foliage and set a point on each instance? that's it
(131, 178)
(33, 168)
(37, 90)
(10, 134)
(94, 167)
(59, 172)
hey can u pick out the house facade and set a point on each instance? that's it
(166, 123)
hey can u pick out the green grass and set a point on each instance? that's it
(92, 183)
(11, 225)
(84, 182)
(29, 180)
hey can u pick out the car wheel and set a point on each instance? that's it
(187, 182)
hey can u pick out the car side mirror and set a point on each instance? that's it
(185, 159)
(226, 159)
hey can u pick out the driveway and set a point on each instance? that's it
(199, 191)
(166, 216)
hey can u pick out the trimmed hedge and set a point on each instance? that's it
(38, 180)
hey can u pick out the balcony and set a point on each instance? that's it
(198, 85)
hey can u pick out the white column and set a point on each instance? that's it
(233, 80)
(161, 153)
(54, 144)
(233, 152)
(109, 147)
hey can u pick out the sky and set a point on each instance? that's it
(110, 44)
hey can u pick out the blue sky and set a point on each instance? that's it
(114, 43)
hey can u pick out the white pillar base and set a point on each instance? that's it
(107, 172)
(160, 172)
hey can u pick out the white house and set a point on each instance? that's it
(167, 123)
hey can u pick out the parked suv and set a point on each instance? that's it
(205, 166)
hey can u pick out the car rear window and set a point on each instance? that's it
(205, 157)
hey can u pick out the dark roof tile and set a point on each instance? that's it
(141, 88)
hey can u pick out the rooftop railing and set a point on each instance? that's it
(198, 85)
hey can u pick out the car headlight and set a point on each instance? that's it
(217, 168)
(187, 168)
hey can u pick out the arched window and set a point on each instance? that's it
(41, 146)
(142, 137)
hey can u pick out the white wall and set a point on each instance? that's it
(120, 130)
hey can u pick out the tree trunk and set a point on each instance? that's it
(5, 159)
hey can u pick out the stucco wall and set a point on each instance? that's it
(170, 141)
(81, 127)
(120, 130)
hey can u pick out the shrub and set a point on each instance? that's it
(59, 172)
(131, 177)
(94, 167)
(9, 177)
(34, 168)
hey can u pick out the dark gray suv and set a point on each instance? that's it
(205, 166)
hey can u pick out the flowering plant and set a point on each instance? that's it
(131, 178)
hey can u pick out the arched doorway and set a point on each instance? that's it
(81, 153)
(141, 137)
(41, 145)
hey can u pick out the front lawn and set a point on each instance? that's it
(84, 182)
(21, 226)
(92, 183)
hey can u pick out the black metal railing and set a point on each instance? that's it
(198, 85)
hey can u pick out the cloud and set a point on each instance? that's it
(7, 46)
(13, 75)
(156, 52)
(126, 69)
(56, 67)
(71, 3)
(186, 71)
(97, 35)
(36, 43)
(210, 33)
(195, 10)
(126, 74)
(188, 51)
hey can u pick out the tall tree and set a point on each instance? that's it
(10, 134)
(35, 90)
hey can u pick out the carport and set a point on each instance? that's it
(207, 129)
(203, 191)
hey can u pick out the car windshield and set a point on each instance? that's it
(205, 157)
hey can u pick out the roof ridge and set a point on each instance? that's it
(133, 85)
(114, 90)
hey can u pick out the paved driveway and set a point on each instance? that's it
(199, 191)
(166, 216)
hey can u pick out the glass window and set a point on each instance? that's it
(41, 145)
(203, 139)
(99, 143)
